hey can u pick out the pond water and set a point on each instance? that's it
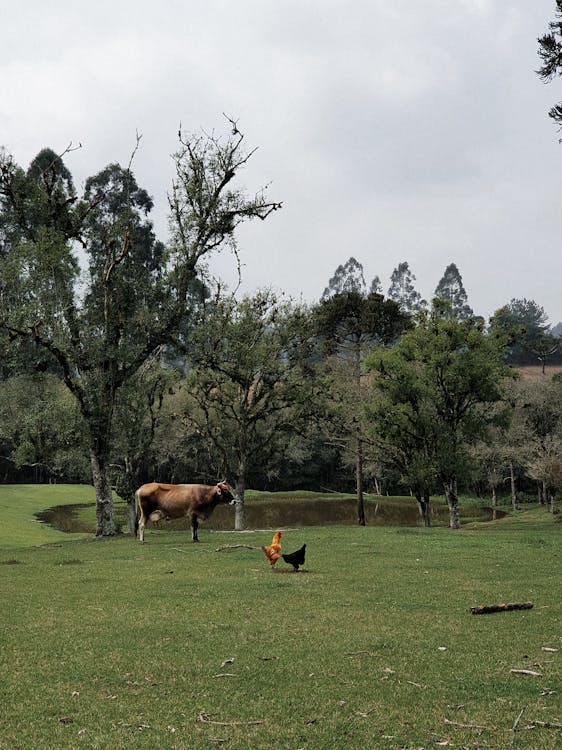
(281, 513)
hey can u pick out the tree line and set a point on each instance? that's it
(133, 366)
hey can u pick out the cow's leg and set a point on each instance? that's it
(141, 527)
(194, 527)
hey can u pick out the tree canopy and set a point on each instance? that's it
(250, 388)
(435, 389)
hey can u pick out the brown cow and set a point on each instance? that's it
(156, 501)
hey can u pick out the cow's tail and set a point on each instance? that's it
(137, 512)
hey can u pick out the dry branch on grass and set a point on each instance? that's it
(528, 672)
(207, 720)
(234, 546)
(485, 609)
(544, 725)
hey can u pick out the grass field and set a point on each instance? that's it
(19, 503)
(110, 644)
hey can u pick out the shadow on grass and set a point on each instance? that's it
(66, 518)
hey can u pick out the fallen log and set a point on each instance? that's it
(485, 609)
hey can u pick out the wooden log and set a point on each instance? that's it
(485, 609)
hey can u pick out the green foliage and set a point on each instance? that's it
(524, 324)
(249, 392)
(349, 321)
(41, 430)
(434, 393)
(537, 432)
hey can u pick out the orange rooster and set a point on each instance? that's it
(273, 552)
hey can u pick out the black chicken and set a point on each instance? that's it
(295, 558)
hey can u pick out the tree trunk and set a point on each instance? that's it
(424, 508)
(127, 490)
(513, 491)
(453, 503)
(105, 520)
(359, 483)
(239, 509)
(494, 503)
(132, 515)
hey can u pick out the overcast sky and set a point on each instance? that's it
(392, 130)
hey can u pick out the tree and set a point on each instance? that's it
(402, 290)
(441, 379)
(515, 439)
(493, 458)
(546, 467)
(402, 423)
(349, 324)
(550, 52)
(348, 277)
(538, 421)
(376, 286)
(451, 289)
(250, 390)
(141, 423)
(525, 324)
(137, 296)
(41, 430)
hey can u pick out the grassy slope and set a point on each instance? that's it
(374, 646)
(19, 503)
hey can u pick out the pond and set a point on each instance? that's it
(270, 513)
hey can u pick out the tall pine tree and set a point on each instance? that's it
(451, 289)
(348, 277)
(402, 290)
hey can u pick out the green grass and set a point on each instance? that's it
(19, 503)
(110, 644)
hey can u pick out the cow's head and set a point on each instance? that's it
(224, 494)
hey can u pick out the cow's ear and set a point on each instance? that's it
(219, 489)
